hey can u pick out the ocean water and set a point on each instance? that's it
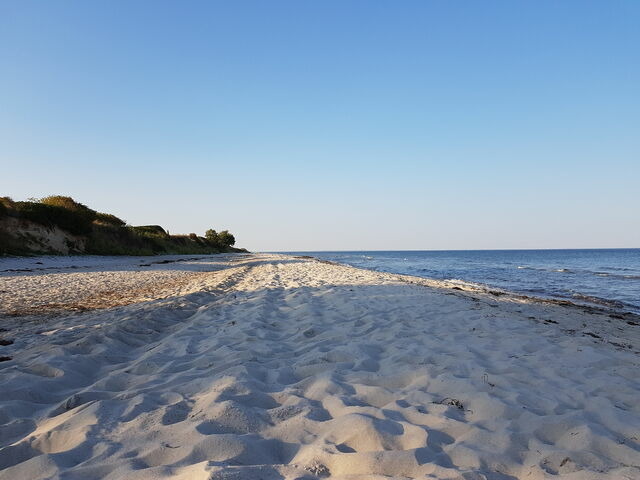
(603, 277)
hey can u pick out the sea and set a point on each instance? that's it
(607, 278)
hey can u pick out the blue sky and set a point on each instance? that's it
(332, 125)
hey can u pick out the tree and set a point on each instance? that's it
(212, 236)
(226, 238)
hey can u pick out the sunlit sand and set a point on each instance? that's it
(271, 366)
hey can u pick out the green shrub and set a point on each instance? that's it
(60, 211)
(211, 235)
(51, 215)
(226, 239)
(107, 240)
(70, 204)
(150, 230)
(109, 219)
(105, 234)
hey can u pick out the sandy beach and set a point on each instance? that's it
(282, 367)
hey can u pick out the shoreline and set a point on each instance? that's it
(484, 289)
(479, 287)
(129, 263)
(112, 282)
(271, 366)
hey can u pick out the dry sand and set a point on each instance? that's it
(271, 367)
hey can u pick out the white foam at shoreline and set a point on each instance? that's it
(577, 299)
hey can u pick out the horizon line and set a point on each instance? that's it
(447, 250)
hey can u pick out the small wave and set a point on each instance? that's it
(542, 269)
(614, 275)
(598, 300)
(427, 270)
(539, 269)
(619, 269)
(473, 285)
(583, 272)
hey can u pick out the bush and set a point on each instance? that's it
(226, 239)
(106, 240)
(105, 234)
(212, 236)
(73, 222)
(70, 204)
(56, 210)
(109, 219)
(153, 230)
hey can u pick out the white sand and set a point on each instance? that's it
(273, 367)
(60, 284)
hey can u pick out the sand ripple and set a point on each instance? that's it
(274, 367)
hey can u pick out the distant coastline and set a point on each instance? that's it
(59, 225)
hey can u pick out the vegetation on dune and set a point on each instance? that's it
(109, 219)
(151, 230)
(224, 239)
(97, 233)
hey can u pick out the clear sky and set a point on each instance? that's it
(330, 125)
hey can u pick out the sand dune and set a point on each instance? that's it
(272, 367)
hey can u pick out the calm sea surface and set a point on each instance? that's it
(605, 277)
